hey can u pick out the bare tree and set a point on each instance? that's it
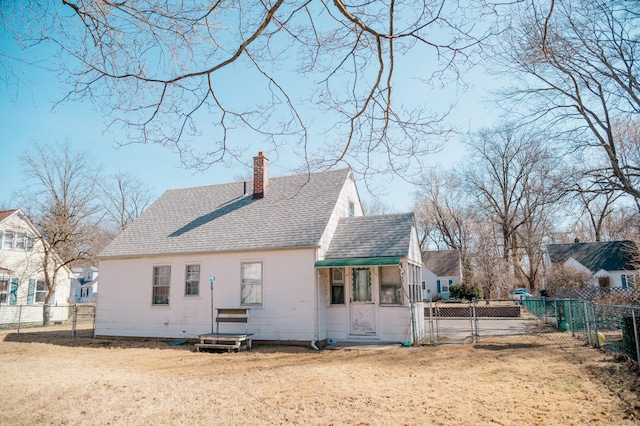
(443, 212)
(490, 269)
(579, 73)
(124, 198)
(512, 177)
(60, 202)
(167, 72)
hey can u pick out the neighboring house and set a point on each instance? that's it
(84, 285)
(611, 264)
(21, 272)
(296, 250)
(441, 269)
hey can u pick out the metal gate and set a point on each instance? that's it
(479, 321)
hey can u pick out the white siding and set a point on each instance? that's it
(392, 322)
(25, 265)
(348, 194)
(287, 313)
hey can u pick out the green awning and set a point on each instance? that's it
(362, 261)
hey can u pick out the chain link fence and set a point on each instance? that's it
(614, 328)
(563, 322)
(66, 320)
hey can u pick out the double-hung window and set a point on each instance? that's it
(337, 286)
(7, 239)
(41, 291)
(391, 286)
(251, 283)
(192, 281)
(21, 241)
(4, 289)
(161, 284)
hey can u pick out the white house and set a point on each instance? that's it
(22, 285)
(611, 264)
(441, 268)
(84, 285)
(296, 250)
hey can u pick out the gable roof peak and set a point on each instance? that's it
(220, 218)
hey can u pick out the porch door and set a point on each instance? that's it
(363, 309)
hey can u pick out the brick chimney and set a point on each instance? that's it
(260, 175)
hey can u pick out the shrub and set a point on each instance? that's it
(565, 281)
(465, 291)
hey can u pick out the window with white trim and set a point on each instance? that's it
(41, 291)
(161, 285)
(251, 283)
(12, 240)
(337, 286)
(4, 290)
(391, 285)
(7, 239)
(628, 280)
(192, 280)
(21, 241)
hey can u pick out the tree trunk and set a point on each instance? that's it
(46, 314)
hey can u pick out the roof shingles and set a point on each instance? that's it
(372, 236)
(217, 218)
(610, 256)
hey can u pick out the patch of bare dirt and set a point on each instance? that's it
(49, 378)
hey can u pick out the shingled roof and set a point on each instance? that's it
(6, 213)
(293, 213)
(372, 236)
(443, 263)
(610, 256)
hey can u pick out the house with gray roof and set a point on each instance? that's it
(441, 268)
(295, 250)
(612, 264)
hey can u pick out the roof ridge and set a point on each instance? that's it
(250, 179)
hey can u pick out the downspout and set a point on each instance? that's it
(316, 301)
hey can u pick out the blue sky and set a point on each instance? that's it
(28, 117)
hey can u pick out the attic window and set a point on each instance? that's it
(352, 209)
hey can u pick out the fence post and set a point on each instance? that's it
(595, 325)
(74, 321)
(570, 316)
(19, 317)
(94, 321)
(555, 313)
(586, 322)
(635, 335)
(474, 320)
(431, 330)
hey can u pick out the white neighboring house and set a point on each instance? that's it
(84, 285)
(441, 269)
(22, 275)
(611, 264)
(296, 250)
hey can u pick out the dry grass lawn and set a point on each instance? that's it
(49, 379)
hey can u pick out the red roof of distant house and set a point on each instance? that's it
(6, 213)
